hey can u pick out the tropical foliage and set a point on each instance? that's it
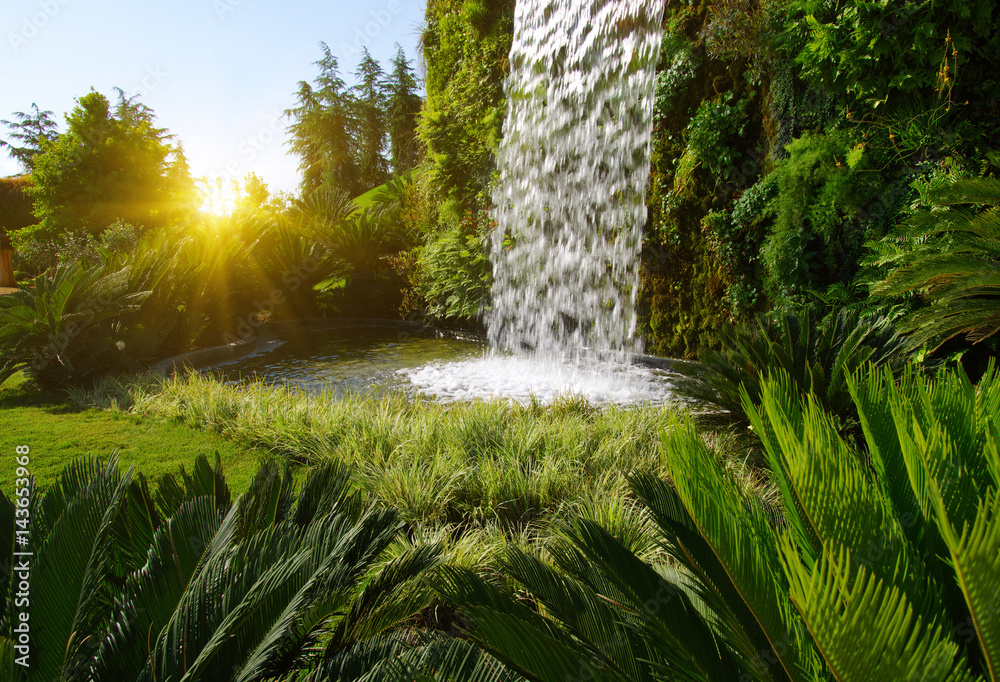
(818, 353)
(70, 326)
(879, 563)
(950, 254)
(186, 583)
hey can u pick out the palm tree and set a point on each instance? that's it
(817, 353)
(881, 564)
(950, 254)
(189, 585)
(68, 324)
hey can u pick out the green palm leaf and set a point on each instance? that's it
(845, 607)
(528, 643)
(744, 541)
(70, 592)
(735, 618)
(951, 255)
(976, 561)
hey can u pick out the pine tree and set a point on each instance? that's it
(30, 131)
(322, 131)
(370, 102)
(404, 107)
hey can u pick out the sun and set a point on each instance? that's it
(218, 197)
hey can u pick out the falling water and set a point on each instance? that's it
(574, 163)
(570, 208)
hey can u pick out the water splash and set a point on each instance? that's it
(574, 163)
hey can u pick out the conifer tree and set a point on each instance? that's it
(30, 131)
(322, 131)
(370, 101)
(403, 110)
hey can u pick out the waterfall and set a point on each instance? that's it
(574, 163)
(570, 210)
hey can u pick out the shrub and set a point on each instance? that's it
(951, 256)
(818, 353)
(817, 235)
(68, 327)
(880, 564)
(188, 582)
(454, 270)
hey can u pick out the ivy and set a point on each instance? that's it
(714, 132)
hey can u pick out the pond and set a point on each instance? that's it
(448, 369)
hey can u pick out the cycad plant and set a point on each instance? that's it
(69, 324)
(817, 352)
(189, 585)
(883, 562)
(950, 254)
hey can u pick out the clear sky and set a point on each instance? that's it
(217, 73)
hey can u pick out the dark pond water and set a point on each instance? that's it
(375, 361)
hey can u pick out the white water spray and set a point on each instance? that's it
(574, 163)
(570, 208)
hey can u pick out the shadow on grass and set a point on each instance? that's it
(29, 394)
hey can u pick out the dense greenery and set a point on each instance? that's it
(124, 299)
(341, 134)
(15, 206)
(188, 582)
(822, 233)
(491, 464)
(879, 564)
(111, 164)
(952, 256)
(466, 44)
(789, 136)
(817, 353)
(688, 566)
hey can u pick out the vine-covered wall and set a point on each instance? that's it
(466, 44)
(789, 139)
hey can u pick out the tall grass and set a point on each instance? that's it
(470, 465)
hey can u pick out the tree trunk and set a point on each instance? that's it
(7, 268)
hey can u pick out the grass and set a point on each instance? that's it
(57, 431)
(476, 476)
(477, 464)
(367, 199)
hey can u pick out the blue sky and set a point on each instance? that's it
(217, 73)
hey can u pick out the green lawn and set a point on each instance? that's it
(57, 433)
(367, 199)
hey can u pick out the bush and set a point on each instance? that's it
(15, 206)
(949, 254)
(187, 581)
(455, 272)
(818, 354)
(817, 233)
(70, 326)
(879, 564)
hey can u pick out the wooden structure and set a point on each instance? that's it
(6, 262)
